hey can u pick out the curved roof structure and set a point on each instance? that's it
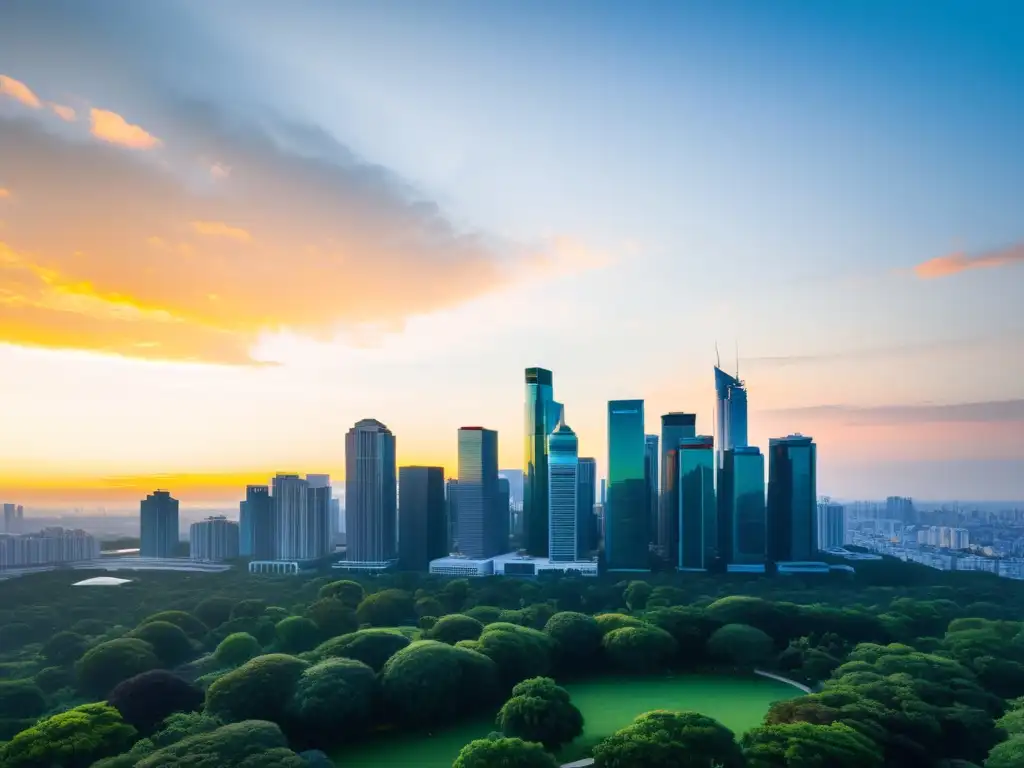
(101, 581)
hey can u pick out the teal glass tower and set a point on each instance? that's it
(542, 415)
(674, 428)
(651, 479)
(626, 514)
(730, 412)
(742, 520)
(563, 490)
(479, 525)
(697, 520)
(792, 499)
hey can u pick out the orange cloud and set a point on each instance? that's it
(18, 91)
(220, 229)
(111, 127)
(944, 266)
(66, 114)
(4, 192)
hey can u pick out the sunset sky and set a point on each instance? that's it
(229, 230)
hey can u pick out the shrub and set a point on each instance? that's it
(741, 644)
(170, 643)
(577, 640)
(184, 621)
(214, 611)
(350, 593)
(639, 649)
(64, 648)
(518, 652)
(541, 711)
(333, 617)
(663, 739)
(297, 634)
(260, 689)
(332, 699)
(21, 699)
(52, 679)
(107, 664)
(237, 649)
(373, 647)
(609, 622)
(485, 614)
(145, 700)
(507, 753)
(455, 627)
(73, 739)
(387, 608)
(251, 744)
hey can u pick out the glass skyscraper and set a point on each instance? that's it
(651, 481)
(158, 525)
(479, 525)
(741, 507)
(563, 500)
(792, 499)
(542, 415)
(586, 498)
(730, 413)
(831, 524)
(422, 527)
(674, 427)
(697, 518)
(371, 490)
(259, 509)
(626, 512)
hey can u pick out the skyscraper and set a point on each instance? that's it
(244, 530)
(626, 511)
(451, 495)
(696, 526)
(213, 539)
(10, 519)
(542, 414)
(741, 507)
(674, 427)
(477, 494)
(586, 498)
(730, 413)
(831, 524)
(290, 503)
(651, 481)
(792, 499)
(158, 525)
(563, 479)
(371, 513)
(504, 512)
(422, 528)
(315, 537)
(259, 508)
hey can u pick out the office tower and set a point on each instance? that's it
(625, 530)
(422, 528)
(478, 524)
(741, 507)
(674, 427)
(696, 526)
(335, 519)
(730, 413)
(315, 535)
(244, 530)
(19, 517)
(563, 478)
(604, 491)
(515, 491)
(542, 414)
(10, 519)
(586, 499)
(504, 513)
(831, 524)
(259, 508)
(214, 539)
(651, 482)
(290, 511)
(792, 499)
(451, 495)
(158, 525)
(371, 503)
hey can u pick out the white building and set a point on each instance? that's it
(831, 525)
(462, 566)
(214, 539)
(563, 515)
(50, 546)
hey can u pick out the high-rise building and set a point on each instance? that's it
(831, 524)
(335, 519)
(244, 530)
(259, 508)
(674, 427)
(604, 491)
(214, 539)
(626, 510)
(741, 507)
(479, 519)
(651, 481)
(792, 499)
(730, 413)
(422, 528)
(515, 505)
(19, 516)
(542, 414)
(696, 522)
(158, 525)
(371, 512)
(504, 507)
(563, 478)
(901, 508)
(10, 519)
(586, 500)
(48, 547)
(290, 502)
(316, 537)
(451, 496)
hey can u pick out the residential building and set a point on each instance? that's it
(11, 519)
(741, 507)
(901, 508)
(51, 546)
(371, 503)
(651, 482)
(290, 501)
(259, 509)
(479, 519)
(696, 522)
(214, 539)
(792, 499)
(316, 538)
(422, 527)
(674, 427)
(831, 525)
(626, 509)
(158, 525)
(730, 413)
(586, 501)
(244, 530)
(563, 480)
(542, 414)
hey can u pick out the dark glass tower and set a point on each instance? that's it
(371, 514)
(741, 507)
(479, 525)
(626, 514)
(696, 521)
(674, 427)
(244, 530)
(542, 415)
(792, 499)
(586, 497)
(651, 481)
(259, 508)
(503, 526)
(158, 525)
(422, 528)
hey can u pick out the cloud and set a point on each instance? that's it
(220, 229)
(993, 411)
(18, 91)
(111, 127)
(944, 266)
(67, 114)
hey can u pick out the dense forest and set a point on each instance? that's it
(908, 667)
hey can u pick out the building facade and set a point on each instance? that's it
(504, 507)
(792, 499)
(478, 528)
(290, 502)
(371, 504)
(831, 525)
(563, 489)
(244, 530)
(158, 525)
(742, 519)
(316, 538)
(651, 481)
(214, 539)
(586, 501)
(51, 546)
(730, 413)
(626, 536)
(422, 524)
(259, 509)
(542, 414)
(674, 427)
(696, 536)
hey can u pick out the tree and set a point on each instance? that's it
(333, 617)
(639, 649)
(740, 644)
(186, 622)
(577, 641)
(260, 689)
(15, 635)
(170, 643)
(297, 634)
(803, 745)
(63, 648)
(237, 649)
(485, 614)
(249, 609)
(689, 627)
(214, 611)
(21, 699)
(105, 665)
(1008, 754)
(636, 595)
(373, 647)
(387, 608)
(541, 711)
(263, 629)
(73, 739)
(52, 679)
(663, 739)
(332, 700)
(145, 700)
(542, 687)
(429, 606)
(455, 627)
(249, 744)
(609, 622)
(349, 593)
(508, 753)
(518, 652)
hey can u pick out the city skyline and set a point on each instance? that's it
(213, 264)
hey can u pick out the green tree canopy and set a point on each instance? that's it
(639, 649)
(551, 720)
(387, 608)
(297, 634)
(663, 739)
(609, 622)
(373, 647)
(185, 621)
(740, 644)
(21, 699)
(248, 744)
(105, 665)
(260, 689)
(73, 739)
(237, 648)
(803, 745)
(349, 593)
(333, 700)
(169, 642)
(507, 753)
(333, 617)
(1008, 754)
(518, 652)
(146, 699)
(577, 641)
(455, 627)
(214, 611)
(63, 648)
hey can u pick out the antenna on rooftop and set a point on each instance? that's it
(737, 360)
(718, 358)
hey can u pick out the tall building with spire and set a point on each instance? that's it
(563, 481)
(542, 415)
(675, 427)
(730, 413)
(371, 494)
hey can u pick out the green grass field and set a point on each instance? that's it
(607, 704)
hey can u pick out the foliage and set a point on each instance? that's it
(662, 739)
(518, 652)
(186, 622)
(1008, 754)
(237, 649)
(214, 611)
(249, 609)
(333, 617)
(145, 700)
(333, 699)
(639, 649)
(740, 644)
(387, 608)
(260, 689)
(485, 614)
(52, 679)
(21, 699)
(349, 593)
(577, 641)
(609, 622)
(803, 745)
(373, 647)
(169, 642)
(297, 634)
(455, 627)
(73, 739)
(63, 648)
(507, 753)
(541, 711)
(248, 744)
(636, 595)
(105, 665)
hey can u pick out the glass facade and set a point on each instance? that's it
(258, 507)
(831, 525)
(563, 479)
(697, 519)
(422, 527)
(730, 413)
(741, 507)
(371, 493)
(478, 526)
(542, 415)
(626, 536)
(651, 480)
(158, 525)
(674, 427)
(792, 499)
(586, 498)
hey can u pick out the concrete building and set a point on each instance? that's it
(259, 509)
(422, 527)
(371, 487)
(51, 546)
(651, 481)
(831, 525)
(563, 502)
(214, 539)
(290, 512)
(158, 525)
